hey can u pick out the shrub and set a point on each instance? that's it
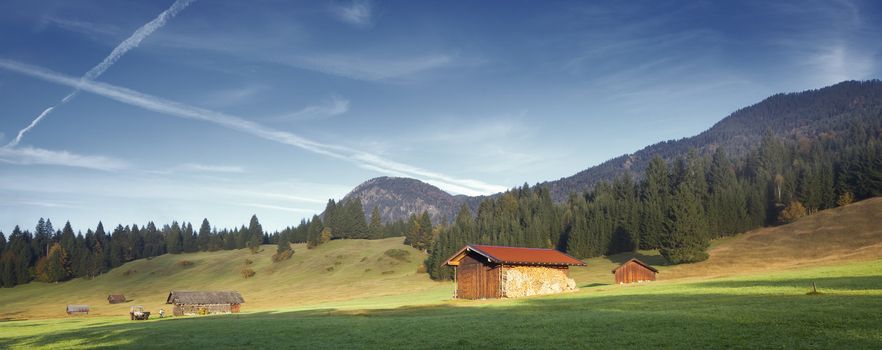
(398, 254)
(421, 268)
(845, 199)
(282, 256)
(325, 235)
(389, 272)
(184, 263)
(248, 262)
(329, 269)
(130, 272)
(792, 212)
(247, 273)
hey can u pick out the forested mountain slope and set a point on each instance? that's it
(812, 114)
(808, 114)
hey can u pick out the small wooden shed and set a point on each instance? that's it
(77, 309)
(116, 298)
(634, 270)
(483, 271)
(204, 303)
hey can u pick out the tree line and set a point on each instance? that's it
(51, 255)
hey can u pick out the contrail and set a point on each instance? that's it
(177, 109)
(130, 43)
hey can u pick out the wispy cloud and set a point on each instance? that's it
(357, 13)
(31, 156)
(45, 204)
(130, 43)
(837, 62)
(232, 96)
(367, 67)
(267, 195)
(277, 207)
(194, 167)
(333, 106)
(83, 27)
(835, 42)
(177, 109)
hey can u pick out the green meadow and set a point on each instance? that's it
(769, 311)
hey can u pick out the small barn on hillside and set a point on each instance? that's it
(204, 303)
(634, 270)
(77, 309)
(116, 298)
(483, 271)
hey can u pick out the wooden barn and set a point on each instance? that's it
(634, 270)
(483, 272)
(204, 303)
(77, 309)
(116, 298)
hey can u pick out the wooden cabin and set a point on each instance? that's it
(116, 298)
(77, 309)
(634, 270)
(484, 272)
(204, 303)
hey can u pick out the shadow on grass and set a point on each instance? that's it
(592, 285)
(699, 319)
(857, 283)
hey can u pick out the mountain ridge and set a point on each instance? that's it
(807, 114)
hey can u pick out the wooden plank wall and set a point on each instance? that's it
(633, 272)
(477, 279)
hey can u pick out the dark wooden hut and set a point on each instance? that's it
(116, 298)
(634, 270)
(204, 303)
(482, 271)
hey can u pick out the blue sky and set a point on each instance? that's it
(223, 109)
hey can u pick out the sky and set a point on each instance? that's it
(135, 111)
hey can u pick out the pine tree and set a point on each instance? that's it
(413, 231)
(376, 227)
(101, 252)
(424, 237)
(686, 240)
(188, 241)
(173, 239)
(356, 226)
(255, 232)
(204, 238)
(655, 197)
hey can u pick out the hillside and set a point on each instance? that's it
(844, 234)
(337, 271)
(807, 114)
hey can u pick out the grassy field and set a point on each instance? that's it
(772, 311)
(751, 293)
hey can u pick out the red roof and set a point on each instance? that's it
(638, 262)
(516, 256)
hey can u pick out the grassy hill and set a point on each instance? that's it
(751, 293)
(334, 272)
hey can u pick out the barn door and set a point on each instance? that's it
(468, 282)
